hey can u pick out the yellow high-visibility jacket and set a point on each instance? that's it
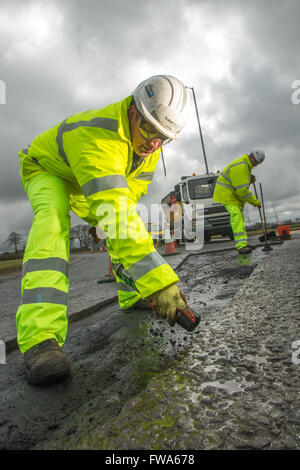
(232, 186)
(92, 152)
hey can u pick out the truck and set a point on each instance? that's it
(193, 190)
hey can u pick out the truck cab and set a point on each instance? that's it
(199, 189)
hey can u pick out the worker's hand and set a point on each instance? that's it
(253, 178)
(259, 205)
(166, 302)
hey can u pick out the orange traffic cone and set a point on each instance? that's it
(108, 277)
(170, 248)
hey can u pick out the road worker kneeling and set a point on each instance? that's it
(90, 163)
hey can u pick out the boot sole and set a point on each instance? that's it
(54, 377)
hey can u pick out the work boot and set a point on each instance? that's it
(46, 362)
(245, 250)
(253, 247)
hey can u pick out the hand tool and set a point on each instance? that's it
(267, 247)
(187, 318)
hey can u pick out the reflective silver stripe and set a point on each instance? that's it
(103, 123)
(25, 151)
(239, 234)
(59, 141)
(142, 267)
(225, 178)
(145, 176)
(124, 287)
(48, 295)
(46, 264)
(247, 196)
(104, 183)
(234, 164)
(238, 240)
(223, 184)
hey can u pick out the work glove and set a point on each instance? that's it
(253, 178)
(166, 302)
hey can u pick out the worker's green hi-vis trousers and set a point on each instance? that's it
(237, 223)
(42, 313)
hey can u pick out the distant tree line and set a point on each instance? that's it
(79, 232)
(14, 239)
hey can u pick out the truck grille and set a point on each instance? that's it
(214, 210)
(218, 221)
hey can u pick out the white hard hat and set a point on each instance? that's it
(164, 102)
(259, 155)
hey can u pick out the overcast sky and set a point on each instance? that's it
(241, 58)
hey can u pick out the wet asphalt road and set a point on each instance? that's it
(237, 385)
(114, 355)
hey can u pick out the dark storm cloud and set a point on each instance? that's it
(94, 48)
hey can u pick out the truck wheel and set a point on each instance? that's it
(188, 240)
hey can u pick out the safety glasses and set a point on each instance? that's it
(151, 134)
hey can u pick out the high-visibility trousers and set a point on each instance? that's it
(42, 313)
(237, 222)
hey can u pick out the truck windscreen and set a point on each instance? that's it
(201, 188)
